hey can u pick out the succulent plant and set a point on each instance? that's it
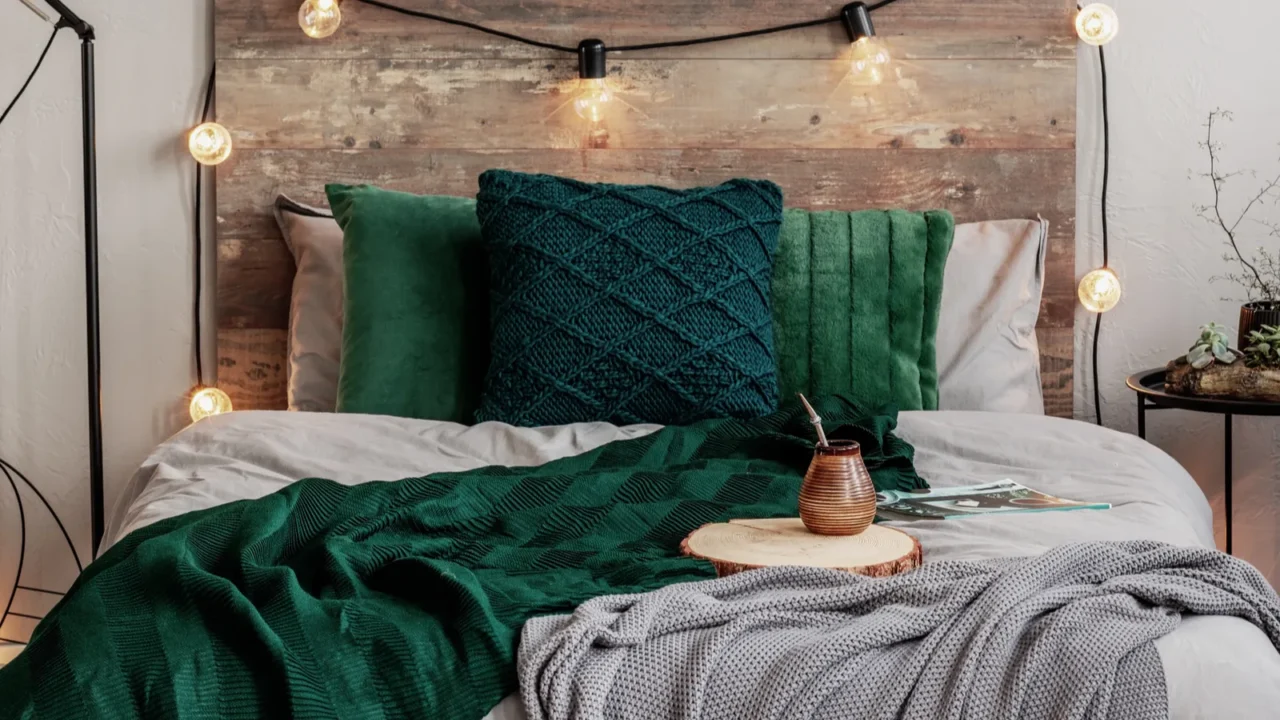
(1211, 346)
(1264, 347)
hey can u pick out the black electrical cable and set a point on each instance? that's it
(198, 228)
(619, 48)
(1106, 240)
(32, 76)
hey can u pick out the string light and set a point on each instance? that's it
(207, 402)
(870, 57)
(209, 143)
(1097, 24)
(319, 18)
(1100, 290)
(593, 96)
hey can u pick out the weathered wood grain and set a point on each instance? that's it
(253, 367)
(1036, 29)
(1057, 373)
(658, 104)
(980, 120)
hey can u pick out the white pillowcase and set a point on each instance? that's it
(988, 355)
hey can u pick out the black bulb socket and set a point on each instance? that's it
(856, 19)
(591, 64)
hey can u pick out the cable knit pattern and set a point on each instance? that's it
(628, 304)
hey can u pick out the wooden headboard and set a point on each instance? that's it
(979, 118)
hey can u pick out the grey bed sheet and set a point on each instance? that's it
(1215, 667)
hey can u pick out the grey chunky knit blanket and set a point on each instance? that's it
(1067, 634)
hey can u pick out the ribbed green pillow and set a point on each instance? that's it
(416, 319)
(628, 304)
(856, 297)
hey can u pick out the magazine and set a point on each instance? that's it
(998, 498)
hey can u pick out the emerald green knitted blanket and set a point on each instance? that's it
(403, 599)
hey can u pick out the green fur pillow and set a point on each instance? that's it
(856, 298)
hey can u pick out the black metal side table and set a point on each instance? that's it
(1149, 385)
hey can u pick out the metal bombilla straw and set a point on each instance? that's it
(814, 420)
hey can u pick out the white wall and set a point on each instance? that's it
(151, 57)
(1173, 62)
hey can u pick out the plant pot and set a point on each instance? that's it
(1253, 315)
(837, 496)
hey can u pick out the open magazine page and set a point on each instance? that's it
(996, 498)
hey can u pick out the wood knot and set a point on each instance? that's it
(349, 141)
(956, 138)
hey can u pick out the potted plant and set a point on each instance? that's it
(1258, 272)
(1209, 369)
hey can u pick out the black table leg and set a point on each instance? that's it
(1142, 417)
(1226, 482)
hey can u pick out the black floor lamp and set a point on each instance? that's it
(68, 19)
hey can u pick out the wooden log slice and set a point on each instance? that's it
(741, 545)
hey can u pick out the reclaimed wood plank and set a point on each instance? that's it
(1057, 373)
(973, 184)
(253, 367)
(505, 104)
(920, 29)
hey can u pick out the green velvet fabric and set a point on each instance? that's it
(856, 298)
(415, 331)
(404, 599)
(628, 304)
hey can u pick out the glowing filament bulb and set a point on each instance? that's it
(209, 143)
(207, 402)
(592, 100)
(1097, 24)
(319, 18)
(1100, 290)
(869, 62)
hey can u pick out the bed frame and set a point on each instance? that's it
(981, 121)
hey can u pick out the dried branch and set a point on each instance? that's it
(1264, 282)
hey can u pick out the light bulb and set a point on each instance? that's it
(592, 99)
(869, 62)
(207, 402)
(209, 143)
(1097, 24)
(1100, 290)
(319, 18)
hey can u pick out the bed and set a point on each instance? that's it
(980, 122)
(1214, 666)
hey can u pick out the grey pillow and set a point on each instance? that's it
(315, 311)
(988, 355)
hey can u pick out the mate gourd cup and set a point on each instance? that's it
(837, 496)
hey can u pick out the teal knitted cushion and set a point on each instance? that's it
(628, 304)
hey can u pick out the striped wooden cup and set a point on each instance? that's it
(837, 497)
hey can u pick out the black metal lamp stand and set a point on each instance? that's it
(84, 30)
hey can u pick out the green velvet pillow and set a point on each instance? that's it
(856, 297)
(415, 329)
(628, 304)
